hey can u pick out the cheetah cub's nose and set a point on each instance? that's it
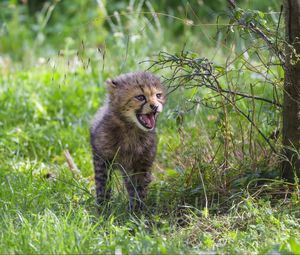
(153, 107)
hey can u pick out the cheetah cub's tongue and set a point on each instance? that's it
(147, 120)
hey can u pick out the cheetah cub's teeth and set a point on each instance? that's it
(147, 120)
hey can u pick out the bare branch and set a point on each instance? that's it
(189, 73)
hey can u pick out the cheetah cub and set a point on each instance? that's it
(123, 134)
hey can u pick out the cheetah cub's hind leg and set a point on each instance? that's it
(102, 179)
(137, 187)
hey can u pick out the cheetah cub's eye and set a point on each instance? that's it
(159, 95)
(141, 97)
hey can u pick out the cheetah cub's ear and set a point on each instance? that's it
(111, 85)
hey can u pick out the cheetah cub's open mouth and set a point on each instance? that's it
(147, 120)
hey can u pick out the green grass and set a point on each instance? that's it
(195, 205)
(45, 209)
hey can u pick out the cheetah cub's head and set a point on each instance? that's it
(138, 97)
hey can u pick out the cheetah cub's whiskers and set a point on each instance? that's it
(123, 133)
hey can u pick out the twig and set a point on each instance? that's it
(72, 166)
(251, 97)
(254, 125)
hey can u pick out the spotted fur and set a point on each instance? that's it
(120, 140)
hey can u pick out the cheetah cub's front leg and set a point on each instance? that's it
(137, 188)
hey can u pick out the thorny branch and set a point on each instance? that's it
(189, 72)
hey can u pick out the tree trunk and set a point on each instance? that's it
(291, 104)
